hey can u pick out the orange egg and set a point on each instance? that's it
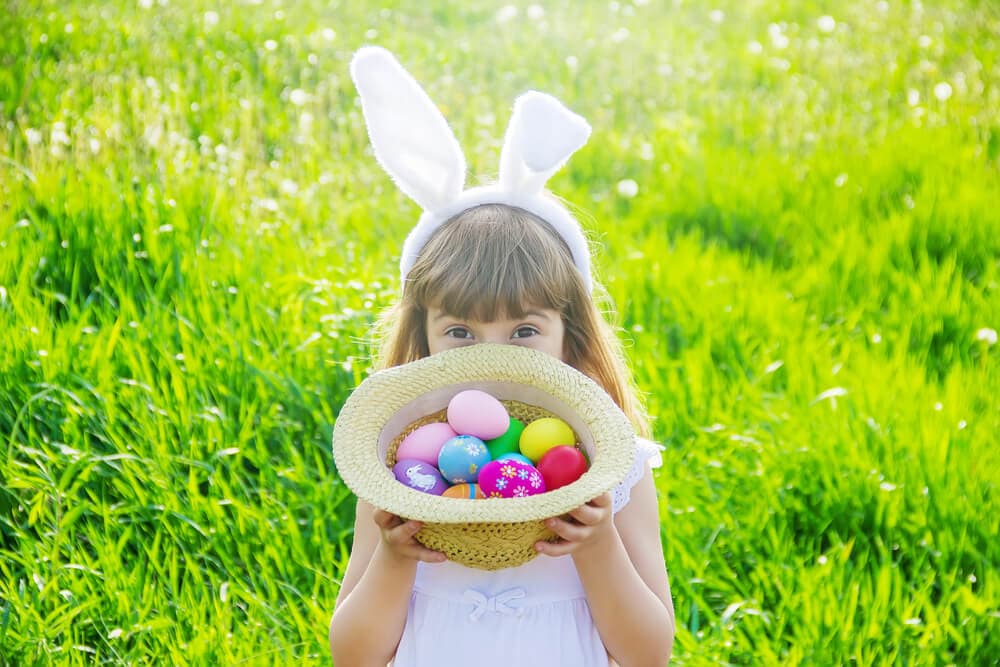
(464, 491)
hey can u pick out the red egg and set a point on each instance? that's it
(561, 466)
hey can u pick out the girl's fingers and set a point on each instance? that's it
(568, 531)
(429, 555)
(555, 549)
(587, 515)
(593, 512)
(385, 520)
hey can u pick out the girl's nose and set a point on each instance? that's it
(494, 338)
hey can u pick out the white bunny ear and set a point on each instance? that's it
(411, 138)
(541, 136)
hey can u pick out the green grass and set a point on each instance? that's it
(806, 279)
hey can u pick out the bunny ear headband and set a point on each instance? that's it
(414, 144)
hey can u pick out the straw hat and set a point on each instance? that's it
(491, 533)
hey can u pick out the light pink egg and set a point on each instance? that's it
(474, 412)
(425, 443)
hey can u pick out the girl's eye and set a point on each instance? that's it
(458, 332)
(525, 332)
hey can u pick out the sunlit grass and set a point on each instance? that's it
(795, 206)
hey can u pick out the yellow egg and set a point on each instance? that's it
(542, 435)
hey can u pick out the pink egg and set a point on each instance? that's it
(474, 412)
(507, 478)
(425, 443)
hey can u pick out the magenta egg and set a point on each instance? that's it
(474, 412)
(509, 478)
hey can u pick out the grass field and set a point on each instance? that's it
(797, 210)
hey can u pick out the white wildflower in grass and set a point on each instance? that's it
(298, 97)
(646, 151)
(840, 181)
(211, 19)
(506, 13)
(69, 28)
(535, 12)
(620, 35)
(779, 39)
(826, 23)
(628, 188)
(95, 146)
(716, 16)
(270, 45)
(145, 4)
(329, 34)
(924, 41)
(289, 187)
(59, 135)
(913, 97)
(267, 204)
(32, 136)
(572, 62)
(755, 47)
(942, 91)
(987, 335)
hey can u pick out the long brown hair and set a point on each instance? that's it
(496, 259)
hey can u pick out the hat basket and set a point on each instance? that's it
(491, 533)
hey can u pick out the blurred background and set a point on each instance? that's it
(794, 206)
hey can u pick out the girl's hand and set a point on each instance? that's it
(397, 538)
(586, 526)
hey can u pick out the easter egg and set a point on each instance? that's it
(464, 491)
(425, 443)
(508, 442)
(419, 475)
(516, 457)
(474, 412)
(543, 434)
(461, 458)
(510, 479)
(562, 465)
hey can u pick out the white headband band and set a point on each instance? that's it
(415, 146)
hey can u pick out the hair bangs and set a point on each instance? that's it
(492, 261)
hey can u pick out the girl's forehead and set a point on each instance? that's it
(440, 312)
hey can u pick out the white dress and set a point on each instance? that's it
(533, 614)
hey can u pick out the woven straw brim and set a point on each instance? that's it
(391, 403)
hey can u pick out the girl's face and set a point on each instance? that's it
(540, 329)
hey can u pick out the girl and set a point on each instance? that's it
(503, 264)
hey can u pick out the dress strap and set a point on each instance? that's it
(647, 455)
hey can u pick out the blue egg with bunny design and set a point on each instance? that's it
(461, 458)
